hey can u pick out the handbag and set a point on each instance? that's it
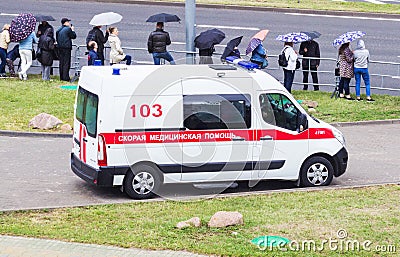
(297, 64)
(38, 54)
(33, 54)
(337, 70)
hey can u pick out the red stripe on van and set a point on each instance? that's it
(153, 137)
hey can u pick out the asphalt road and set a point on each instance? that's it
(381, 38)
(35, 172)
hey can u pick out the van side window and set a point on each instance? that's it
(278, 110)
(225, 111)
(86, 110)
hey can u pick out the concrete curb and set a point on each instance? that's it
(10, 133)
(252, 8)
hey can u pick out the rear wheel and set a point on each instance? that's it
(142, 182)
(316, 171)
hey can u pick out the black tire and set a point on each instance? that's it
(142, 182)
(316, 171)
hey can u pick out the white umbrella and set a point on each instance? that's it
(106, 18)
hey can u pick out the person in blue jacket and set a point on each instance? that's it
(92, 55)
(25, 52)
(259, 56)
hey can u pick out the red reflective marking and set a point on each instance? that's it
(211, 136)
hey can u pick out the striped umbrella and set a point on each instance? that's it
(295, 37)
(348, 37)
(22, 26)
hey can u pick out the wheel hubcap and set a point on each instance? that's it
(317, 174)
(143, 183)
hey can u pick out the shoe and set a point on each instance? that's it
(20, 75)
(304, 88)
(3, 75)
(341, 96)
(370, 100)
(349, 98)
(359, 99)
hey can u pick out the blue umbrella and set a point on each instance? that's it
(348, 37)
(295, 37)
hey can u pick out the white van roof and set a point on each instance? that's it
(157, 76)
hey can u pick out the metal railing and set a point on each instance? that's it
(326, 74)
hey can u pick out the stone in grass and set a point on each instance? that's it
(310, 104)
(65, 128)
(44, 121)
(225, 218)
(195, 222)
(311, 110)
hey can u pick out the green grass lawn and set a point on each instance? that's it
(371, 213)
(20, 101)
(307, 4)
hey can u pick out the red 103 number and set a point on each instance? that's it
(146, 110)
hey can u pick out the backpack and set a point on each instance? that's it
(282, 61)
(90, 37)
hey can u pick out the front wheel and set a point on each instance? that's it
(142, 182)
(316, 171)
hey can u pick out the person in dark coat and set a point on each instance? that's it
(46, 45)
(206, 55)
(64, 35)
(97, 36)
(11, 57)
(310, 49)
(157, 44)
(42, 28)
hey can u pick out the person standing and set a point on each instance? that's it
(361, 60)
(157, 44)
(206, 55)
(259, 56)
(97, 35)
(310, 49)
(345, 70)
(289, 70)
(117, 54)
(25, 52)
(46, 45)
(4, 41)
(43, 26)
(64, 36)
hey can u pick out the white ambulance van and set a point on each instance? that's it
(140, 127)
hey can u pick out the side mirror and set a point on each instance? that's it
(302, 122)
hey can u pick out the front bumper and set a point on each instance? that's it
(341, 159)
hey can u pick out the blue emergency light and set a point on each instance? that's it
(241, 62)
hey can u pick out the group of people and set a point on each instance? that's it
(350, 63)
(354, 64)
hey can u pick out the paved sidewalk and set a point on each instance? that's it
(11, 246)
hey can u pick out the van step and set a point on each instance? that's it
(216, 185)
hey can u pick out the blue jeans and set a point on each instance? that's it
(166, 55)
(3, 55)
(288, 76)
(128, 59)
(358, 72)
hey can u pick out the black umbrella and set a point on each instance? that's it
(163, 17)
(230, 46)
(41, 17)
(209, 38)
(312, 34)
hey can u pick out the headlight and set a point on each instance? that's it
(339, 136)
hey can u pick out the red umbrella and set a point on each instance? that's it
(22, 26)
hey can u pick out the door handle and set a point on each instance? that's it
(266, 138)
(238, 139)
(84, 139)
